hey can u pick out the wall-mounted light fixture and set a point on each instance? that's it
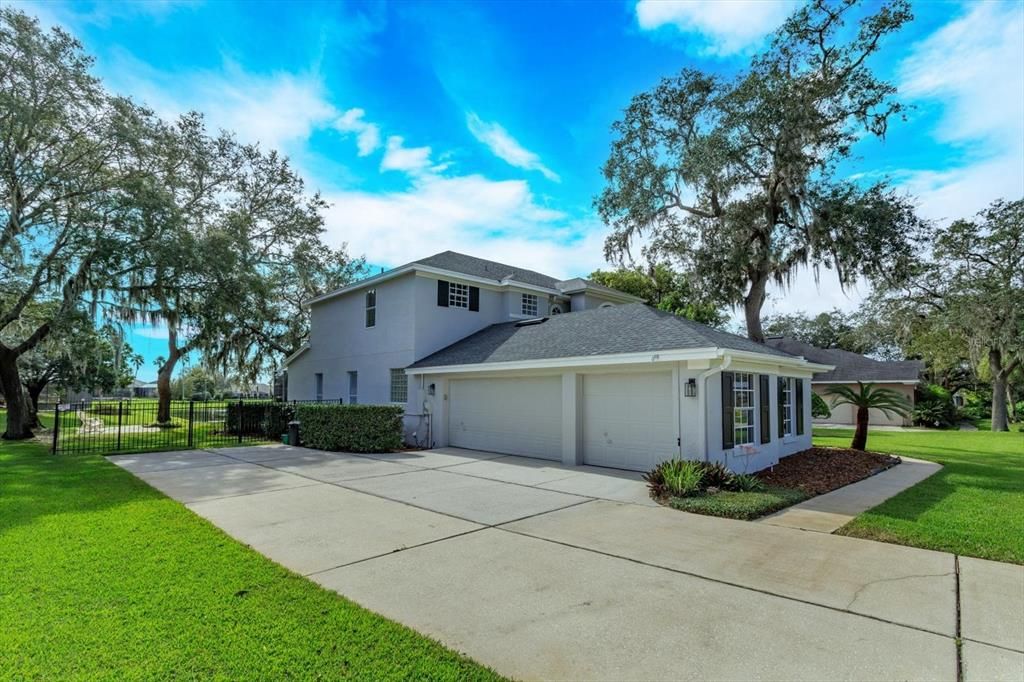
(430, 389)
(690, 391)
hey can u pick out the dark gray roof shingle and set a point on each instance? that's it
(630, 328)
(488, 269)
(849, 366)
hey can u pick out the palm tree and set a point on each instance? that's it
(866, 397)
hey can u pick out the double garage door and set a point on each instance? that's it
(627, 420)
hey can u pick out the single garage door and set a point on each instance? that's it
(520, 416)
(628, 420)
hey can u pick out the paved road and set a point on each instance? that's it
(547, 572)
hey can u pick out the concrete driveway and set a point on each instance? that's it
(547, 572)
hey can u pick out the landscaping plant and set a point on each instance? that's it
(867, 397)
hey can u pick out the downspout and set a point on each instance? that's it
(702, 400)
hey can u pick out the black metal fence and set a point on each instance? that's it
(134, 425)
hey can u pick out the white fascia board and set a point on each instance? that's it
(576, 361)
(601, 290)
(616, 359)
(369, 281)
(296, 354)
(492, 283)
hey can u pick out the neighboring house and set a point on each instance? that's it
(143, 389)
(849, 368)
(492, 357)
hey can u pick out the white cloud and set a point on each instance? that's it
(974, 67)
(505, 147)
(722, 27)
(471, 214)
(278, 110)
(412, 160)
(367, 134)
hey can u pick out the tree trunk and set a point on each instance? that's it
(34, 390)
(1000, 421)
(163, 380)
(752, 304)
(18, 426)
(860, 436)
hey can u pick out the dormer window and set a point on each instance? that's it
(530, 304)
(371, 308)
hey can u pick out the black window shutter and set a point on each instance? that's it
(766, 411)
(442, 293)
(781, 406)
(799, 406)
(728, 415)
(474, 298)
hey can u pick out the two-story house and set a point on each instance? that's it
(493, 357)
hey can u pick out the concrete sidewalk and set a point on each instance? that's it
(831, 511)
(481, 552)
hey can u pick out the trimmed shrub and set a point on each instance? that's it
(267, 420)
(351, 428)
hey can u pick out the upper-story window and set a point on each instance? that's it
(458, 295)
(371, 308)
(530, 304)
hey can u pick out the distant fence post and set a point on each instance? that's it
(241, 418)
(56, 425)
(191, 421)
(119, 413)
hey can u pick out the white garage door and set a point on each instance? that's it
(628, 420)
(515, 416)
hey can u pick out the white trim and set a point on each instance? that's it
(586, 286)
(619, 359)
(294, 355)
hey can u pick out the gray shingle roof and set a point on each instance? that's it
(488, 269)
(849, 366)
(630, 328)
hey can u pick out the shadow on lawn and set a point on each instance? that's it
(36, 484)
(952, 479)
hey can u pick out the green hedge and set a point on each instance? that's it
(268, 420)
(351, 428)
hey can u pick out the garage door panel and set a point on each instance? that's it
(628, 420)
(520, 416)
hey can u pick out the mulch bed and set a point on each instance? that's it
(819, 470)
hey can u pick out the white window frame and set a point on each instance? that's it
(788, 403)
(318, 386)
(744, 401)
(530, 304)
(370, 301)
(399, 386)
(353, 388)
(458, 295)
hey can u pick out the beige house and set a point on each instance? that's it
(902, 377)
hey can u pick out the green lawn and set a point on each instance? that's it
(739, 505)
(973, 506)
(102, 577)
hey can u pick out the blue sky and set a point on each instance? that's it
(481, 127)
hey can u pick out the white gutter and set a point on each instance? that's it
(709, 353)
